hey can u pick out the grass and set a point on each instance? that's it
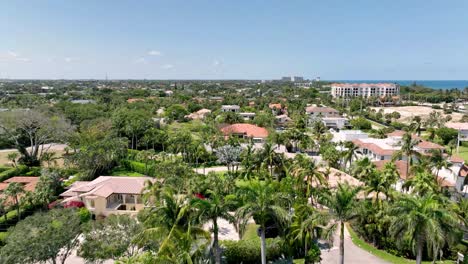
(462, 152)
(381, 253)
(122, 172)
(250, 232)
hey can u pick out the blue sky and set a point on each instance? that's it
(201, 39)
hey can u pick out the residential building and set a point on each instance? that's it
(247, 116)
(199, 115)
(246, 131)
(108, 195)
(462, 130)
(348, 135)
(329, 116)
(384, 148)
(283, 120)
(28, 182)
(230, 108)
(347, 90)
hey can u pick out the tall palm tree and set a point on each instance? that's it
(422, 183)
(363, 167)
(349, 153)
(305, 171)
(425, 220)
(416, 125)
(212, 209)
(306, 225)
(13, 191)
(407, 150)
(438, 161)
(342, 205)
(262, 202)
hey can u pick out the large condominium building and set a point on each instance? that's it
(364, 89)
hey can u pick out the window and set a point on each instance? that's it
(91, 203)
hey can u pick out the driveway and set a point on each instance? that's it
(353, 253)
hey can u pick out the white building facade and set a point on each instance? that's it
(347, 90)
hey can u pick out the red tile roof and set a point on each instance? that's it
(429, 145)
(248, 130)
(463, 171)
(456, 159)
(318, 109)
(277, 106)
(374, 148)
(400, 165)
(29, 182)
(400, 133)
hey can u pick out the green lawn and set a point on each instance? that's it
(250, 232)
(123, 172)
(463, 151)
(383, 254)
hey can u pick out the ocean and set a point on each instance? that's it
(439, 84)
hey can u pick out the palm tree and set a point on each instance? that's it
(407, 150)
(349, 153)
(169, 223)
(438, 161)
(305, 170)
(416, 124)
(342, 206)
(12, 157)
(13, 191)
(381, 182)
(422, 183)
(425, 220)
(262, 202)
(307, 223)
(363, 167)
(211, 209)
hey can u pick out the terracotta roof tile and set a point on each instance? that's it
(400, 165)
(429, 145)
(248, 130)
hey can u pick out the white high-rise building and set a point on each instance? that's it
(364, 89)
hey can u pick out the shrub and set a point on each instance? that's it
(20, 170)
(361, 123)
(248, 251)
(85, 214)
(446, 134)
(139, 167)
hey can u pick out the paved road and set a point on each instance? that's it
(353, 253)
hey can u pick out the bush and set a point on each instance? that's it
(446, 134)
(85, 214)
(361, 123)
(20, 170)
(248, 251)
(3, 236)
(139, 167)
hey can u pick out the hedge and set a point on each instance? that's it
(20, 171)
(139, 167)
(248, 251)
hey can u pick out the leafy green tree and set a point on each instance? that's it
(229, 155)
(263, 203)
(231, 118)
(361, 123)
(111, 238)
(14, 191)
(446, 134)
(31, 129)
(43, 237)
(423, 221)
(342, 207)
(95, 150)
(264, 119)
(48, 187)
(176, 112)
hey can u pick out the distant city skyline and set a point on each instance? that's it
(336, 40)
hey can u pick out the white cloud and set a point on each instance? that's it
(13, 56)
(140, 60)
(71, 59)
(167, 66)
(154, 53)
(216, 63)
